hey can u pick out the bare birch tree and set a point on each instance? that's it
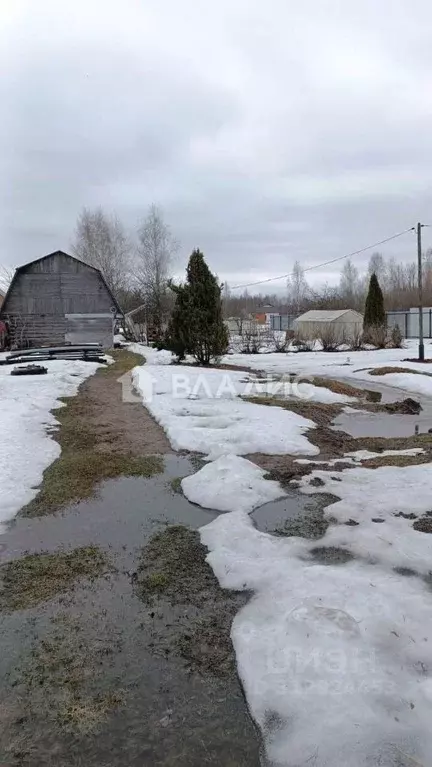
(297, 287)
(349, 283)
(101, 241)
(156, 250)
(6, 275)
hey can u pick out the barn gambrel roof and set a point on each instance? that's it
(22, 268)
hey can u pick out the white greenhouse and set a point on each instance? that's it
(342, 324)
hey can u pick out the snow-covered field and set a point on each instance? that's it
(336, 660)
(347, 365)
(26, 448)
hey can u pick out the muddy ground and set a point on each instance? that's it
(114, 634)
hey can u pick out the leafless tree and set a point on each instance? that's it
(355, 341)
(329, 337)
(101, 241)
(377, 265)
(156, 250)
(349, 284)
(297, 287)
(6, 275)
(377, 336)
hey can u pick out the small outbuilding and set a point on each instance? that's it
(342, 324)
(59, 299)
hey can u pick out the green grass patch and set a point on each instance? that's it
(74, 476)
(309, 526)
(173, 564)
(176, 485)
(124, 360)
(36, 578)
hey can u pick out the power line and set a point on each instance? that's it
(327, 263)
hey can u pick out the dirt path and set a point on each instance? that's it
(121, 426)
(114, 634)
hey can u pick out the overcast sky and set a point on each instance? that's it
(268, 131)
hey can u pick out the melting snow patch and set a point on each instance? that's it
(25, 415)
(202, 412)
(231, 482)
(387, 493)
(335, 661)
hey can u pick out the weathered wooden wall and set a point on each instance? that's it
(45, 291)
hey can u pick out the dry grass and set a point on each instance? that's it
(423, 525)
(173, 569)
(36, 578)
(321, 413)
(386, 370)
(57, 680)
(84, 715)
(378, 444)
(338, 387)
(396, 460)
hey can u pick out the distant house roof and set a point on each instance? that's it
(327, 315)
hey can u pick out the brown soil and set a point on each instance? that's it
(415, 359)
(120, 426)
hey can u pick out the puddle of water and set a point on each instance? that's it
(125, 514)
(365, 424)
(272, 516)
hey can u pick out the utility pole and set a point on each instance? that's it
(420, 292)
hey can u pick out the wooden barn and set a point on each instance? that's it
(59, 299)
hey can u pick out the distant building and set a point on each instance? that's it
(263, 315)
(59, 299)
(345, 323)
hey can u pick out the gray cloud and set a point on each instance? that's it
(267, 132)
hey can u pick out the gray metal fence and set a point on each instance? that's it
(282, 321)
(408, 322)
